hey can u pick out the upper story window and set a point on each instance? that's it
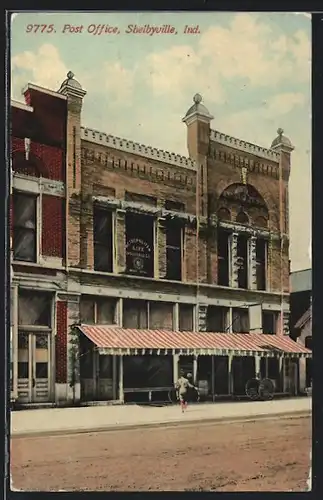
(174, 248)
(261, 263)
(223, 257)
(139, 244)
(242, 260)
(24, 227)
(103, 239)
(242, 218)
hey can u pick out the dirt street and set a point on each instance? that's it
(266, 455)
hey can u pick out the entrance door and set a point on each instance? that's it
(33, 367)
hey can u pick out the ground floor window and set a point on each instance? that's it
(240, 320)
(135, 314)
(98, 310)
(186, 317)
(161, 315)
(216, 319)
(147, 371)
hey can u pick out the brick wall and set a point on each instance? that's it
(52, 226)
(52, 159)
(264, 177)
(61, 343)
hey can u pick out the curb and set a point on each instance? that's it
(145, 425)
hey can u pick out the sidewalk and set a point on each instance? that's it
(100, 418)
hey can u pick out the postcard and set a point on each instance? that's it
(160, 251)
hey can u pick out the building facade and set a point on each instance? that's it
(130, 263)
(301, 320)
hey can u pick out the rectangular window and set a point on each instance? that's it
(261, 262)
(106, 311)
(216, 319)
(24, 227)
(174, 234)
(140, 244)
(223, 257)
(240, 320)
(161, 315)
(34, 308)
(103, 239)
(242, 254)
(269, 322)
(186, 315)
(98, 310)
(135, 314)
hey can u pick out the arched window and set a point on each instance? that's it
(261, 222)
(224, 214)
(242, 218)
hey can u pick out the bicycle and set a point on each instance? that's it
(260, 389)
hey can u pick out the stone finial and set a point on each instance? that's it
(197, 98)
(70, 75)
(280, 132)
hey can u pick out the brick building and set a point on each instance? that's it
(150, 261)
(301, 319)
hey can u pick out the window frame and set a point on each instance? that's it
(108, 245)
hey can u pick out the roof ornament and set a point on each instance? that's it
(197, 98)
(70, 75)
(280, 132)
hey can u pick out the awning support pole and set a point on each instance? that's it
(121, 394)
(230, 375)
(114, 377)
(280, 373)
(257, 366)
(175, 367)
(212, 377)
(195, 368)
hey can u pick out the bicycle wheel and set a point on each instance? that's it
(252, 389)
(266, 389)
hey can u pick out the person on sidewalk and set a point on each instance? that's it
(183, 385)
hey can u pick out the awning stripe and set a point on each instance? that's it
(118, 339)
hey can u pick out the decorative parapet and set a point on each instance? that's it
(127, 146)
(248, 147)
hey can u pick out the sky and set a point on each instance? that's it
(253, 71)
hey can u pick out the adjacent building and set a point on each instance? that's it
(301, 320)
(130, 262)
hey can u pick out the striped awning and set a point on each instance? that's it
(122, 341)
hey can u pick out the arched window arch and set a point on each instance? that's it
(242, 218)
(261, 222)
(224, 214)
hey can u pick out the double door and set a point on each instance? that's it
(34, 354)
